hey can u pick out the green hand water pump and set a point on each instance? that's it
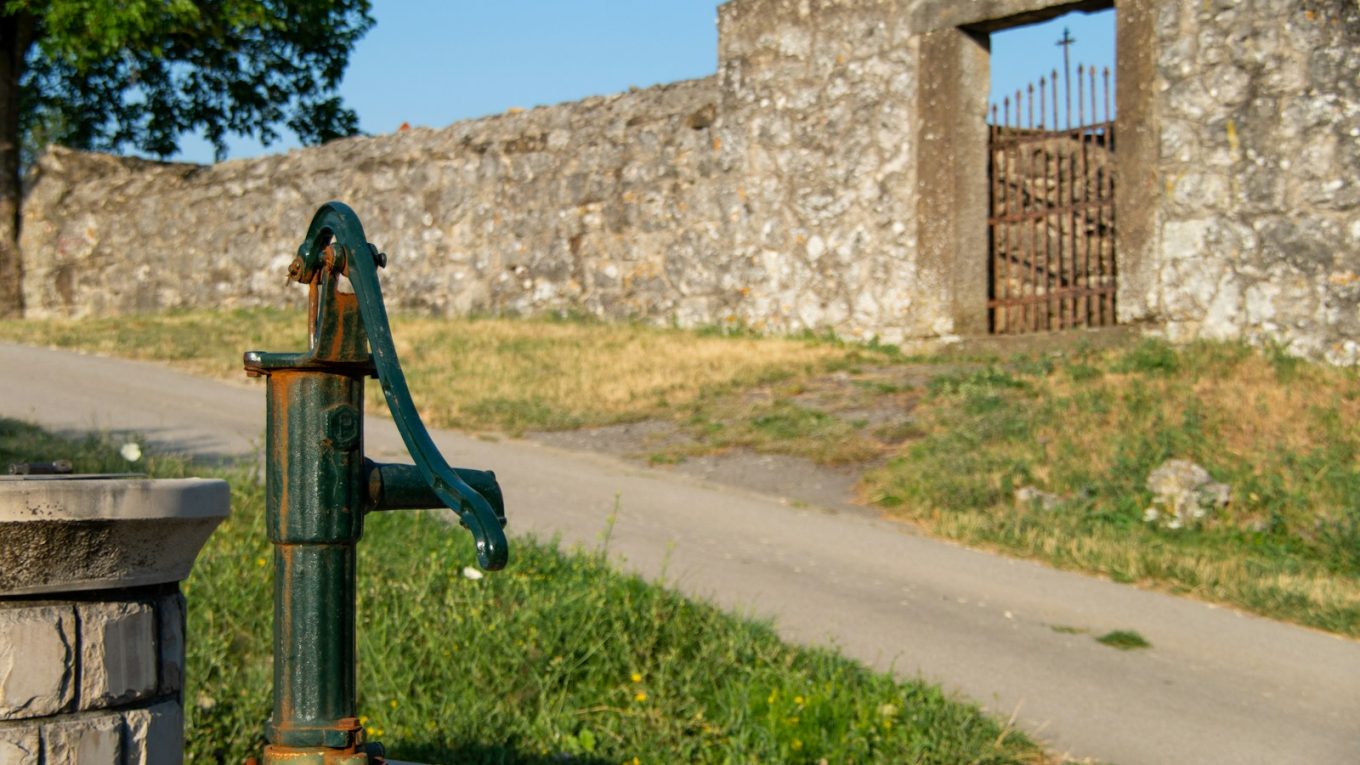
(319, 486)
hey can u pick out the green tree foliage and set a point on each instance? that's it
(114, 74)
(108, 74)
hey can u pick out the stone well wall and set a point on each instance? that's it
(831, 176)
(93, 680)
(92, 622)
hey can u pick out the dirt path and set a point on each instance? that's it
(1216, 686)
(799, 482)
(876, 406)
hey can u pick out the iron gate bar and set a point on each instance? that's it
(1084, 305)
(1028, 315)
(1107, 306)
(1058, 195)
(1043, 229)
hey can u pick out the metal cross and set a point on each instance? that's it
(1067, 39)
(1066, 44)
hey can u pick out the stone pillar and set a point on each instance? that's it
(952, 175)
(1138, 195)
(91, 616)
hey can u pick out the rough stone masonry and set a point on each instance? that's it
(830, 176)
(92, 681)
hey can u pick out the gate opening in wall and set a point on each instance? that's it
(1051, 221)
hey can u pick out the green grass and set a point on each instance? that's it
(88, 453)
(1124, 640)
(1090, 427)
(555, 659)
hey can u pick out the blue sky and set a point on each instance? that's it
(434, 62)
(1022, 55)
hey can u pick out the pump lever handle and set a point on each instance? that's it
(336, 226)
(402, 487)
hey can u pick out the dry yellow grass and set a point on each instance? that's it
(202, 342)
(478, 374)
(1260, 410)
(516, 373)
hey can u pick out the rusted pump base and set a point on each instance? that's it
(287, 755)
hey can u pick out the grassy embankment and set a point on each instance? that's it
(555, 659)
(1088, 426)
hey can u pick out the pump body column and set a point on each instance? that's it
(315, 504)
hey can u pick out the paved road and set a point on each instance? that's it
(1216, 687)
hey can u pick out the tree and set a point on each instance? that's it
(108, 74)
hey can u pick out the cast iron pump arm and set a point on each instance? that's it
(319, 485)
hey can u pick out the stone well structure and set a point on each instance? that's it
(91, 617)
(831, 175)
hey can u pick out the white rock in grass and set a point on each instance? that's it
(1184, 495)
(1031, 496)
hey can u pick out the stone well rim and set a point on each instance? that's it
(76, 498)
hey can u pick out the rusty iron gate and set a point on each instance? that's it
(1051, 222)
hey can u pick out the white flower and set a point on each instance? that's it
(1174, 523)
(1150, 514)
(471, 573)
(131, 451)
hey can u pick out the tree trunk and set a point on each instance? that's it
(16, 36)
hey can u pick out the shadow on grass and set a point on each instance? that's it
(488, 754)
